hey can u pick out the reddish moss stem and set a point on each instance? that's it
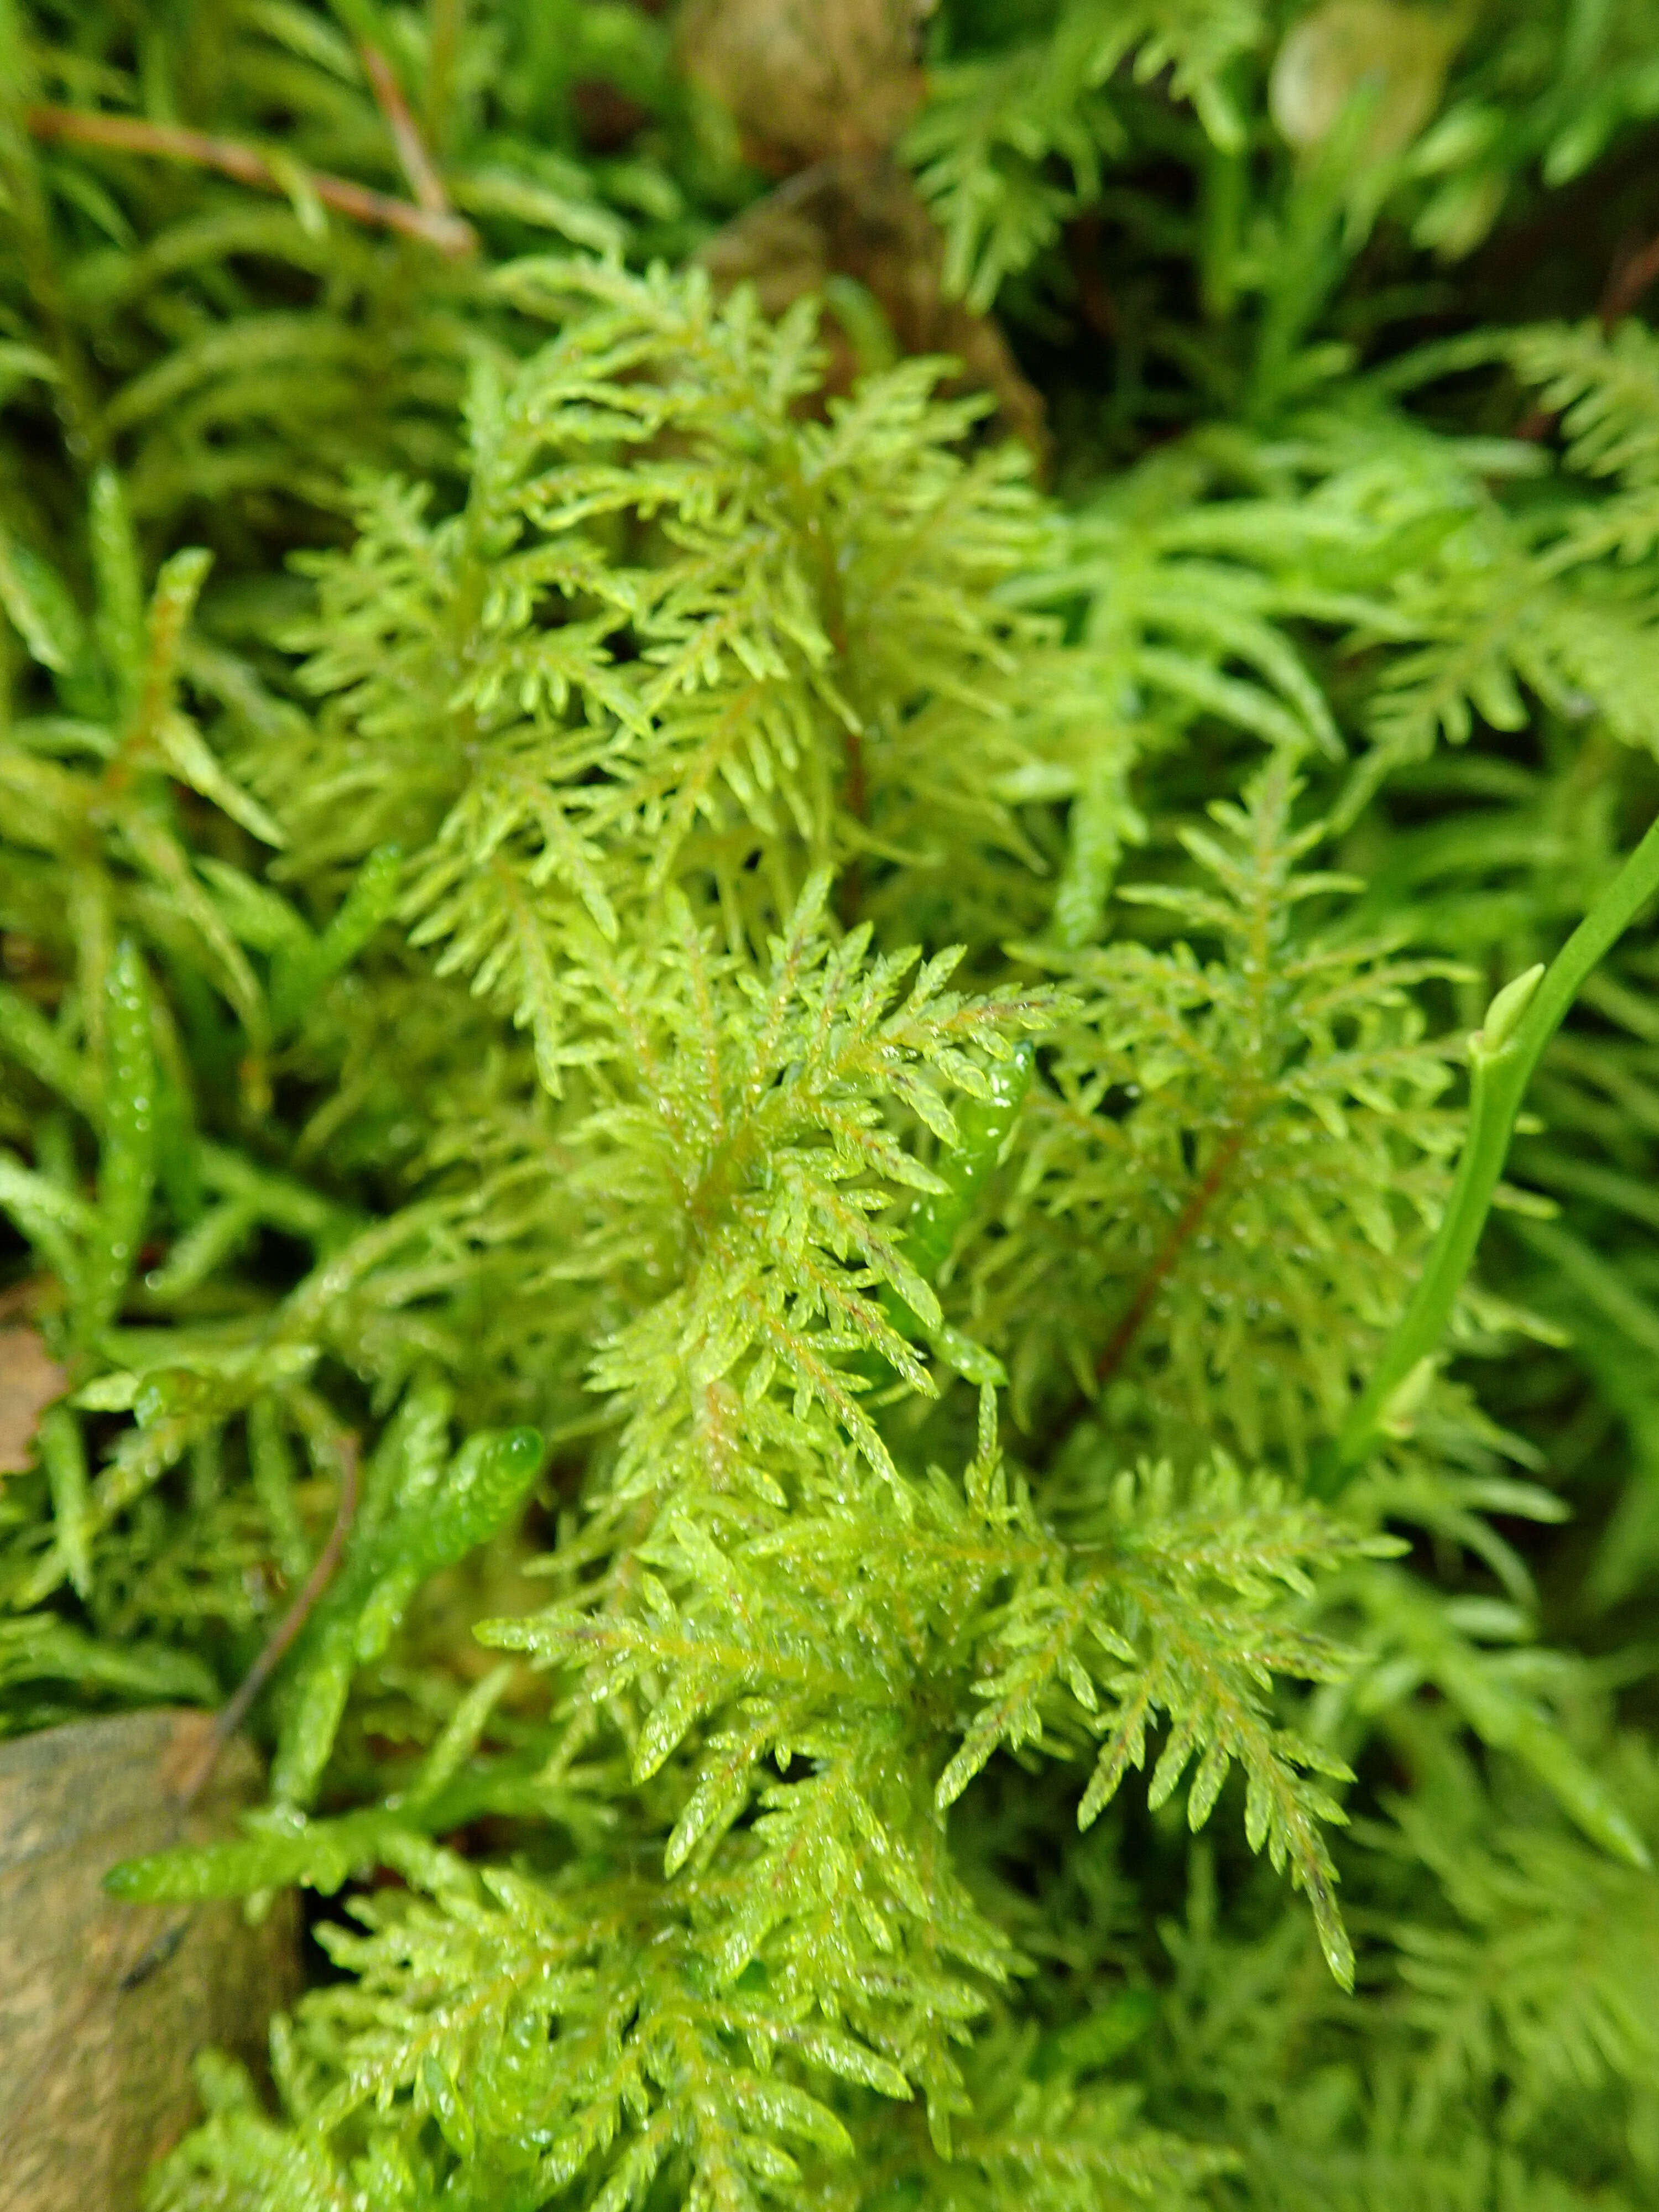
(415, 162)
(231, 1715)
(1186, 1226)
(170, 141)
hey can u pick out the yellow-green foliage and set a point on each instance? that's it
(829, 1069)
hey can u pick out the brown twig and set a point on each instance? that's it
(231, 1715)
(415, 162)
(169, 141)
(1173, 1245)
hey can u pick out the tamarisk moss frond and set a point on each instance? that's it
(1604, 385)
(596, 916)
(743, 1120)
(760, 1633)
(727, 1178)
(1506, 600)
(998, 125)
(1145, 1613)
(829, 1937)
(1062, 2145)
(592, 2016)
(676, 632)
(1542, 1972)
(1471, 583)
(1224, 1189)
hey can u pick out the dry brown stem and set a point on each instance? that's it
(171, 142)
(232, 1714)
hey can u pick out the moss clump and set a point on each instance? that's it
(794, 1076)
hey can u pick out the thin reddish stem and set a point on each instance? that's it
(324, 1567)
(169, 141)
(415, 162)
(1186, 1226)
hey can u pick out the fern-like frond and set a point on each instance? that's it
(1544, 1977)
(997, 129)
(1165, 1609)
(735, 1150)
(1247, 1144)
(799, 661)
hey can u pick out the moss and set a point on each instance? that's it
(778, 1092)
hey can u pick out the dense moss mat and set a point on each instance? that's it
(777, 798)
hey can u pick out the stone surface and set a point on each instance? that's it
(104, 2006)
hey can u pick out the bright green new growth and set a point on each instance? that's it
(434, 1520)
(836, 1078)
